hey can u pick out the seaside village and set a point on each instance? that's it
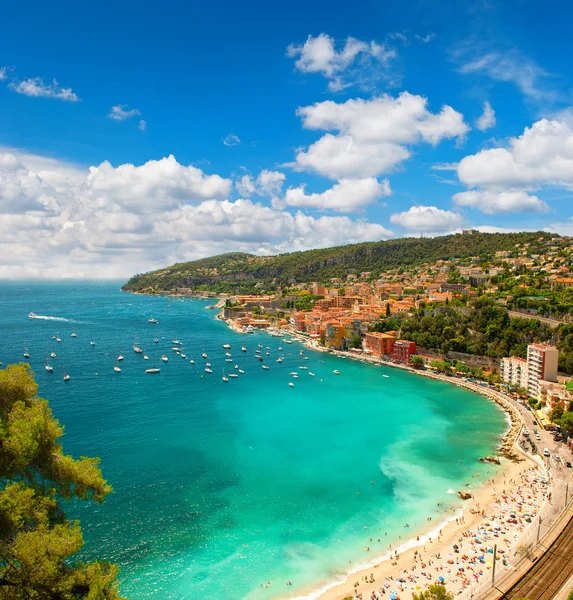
(340, 317)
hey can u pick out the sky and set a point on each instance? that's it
(135, 135)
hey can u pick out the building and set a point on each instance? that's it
(379, 344)
(513, 370)
(402, 351)
(542, 363)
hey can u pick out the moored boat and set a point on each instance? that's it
(155, 370)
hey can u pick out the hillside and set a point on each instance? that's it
(236, 272)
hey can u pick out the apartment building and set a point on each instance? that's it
(513, 370)
(542, 363)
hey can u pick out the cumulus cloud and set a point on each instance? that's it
(121, 112)
(491, 202)
(487, 118)
(373, 136)
(231, 140)
(142, 125)
(348, 195)
(428, 219)
(38, 88)
(268, 183)
(60, 220)
(3, 73)
(319, 55)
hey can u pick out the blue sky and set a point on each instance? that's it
(290, 126)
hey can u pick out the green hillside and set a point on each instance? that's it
(236, 272)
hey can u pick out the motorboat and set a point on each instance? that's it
(58, 339)
(336, 372)
(295, 376)
(117, 369)
(204, 355)
(265, 367)
(156, 340)
(192, 361)
(73, 335)
(92, 343)
(387, 376)
(208, 370)
(311, 374)
(226, 346)
(32, 315)
(241, 371)
(233, 375)
(176, 349)
(176, 341)
(48, 366)
(279, 360)
(228, 354)
(120, 357)
(228, 360)
(225, 379)
(207, 364)
(152, 320)
(53, 354)
(164, 358)
(66, 377)
(145, 357)
(259, 356)
(243, 348)
(26, 355)
(137, 350)
(183, 355)
(303, 367)
(291, 384)
(155, 370)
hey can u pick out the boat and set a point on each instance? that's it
(288, 341)
(241, 371)
(176, 341)
(137, 350)
(228, 354)
(228, 360)
(265, 367)
(226, 346)
(336, 372)
(303, 367)
(301, 352)
(311, 374)
(156, 340)
(243, 348)
(280, 348)
(291, 384)
(295, 376)
(182, 355)
(117, 369)
(73, 335)
(260, 345)
(120, 357)
(66, 377)
(225, 379)
(152, 320)
(250, 329)
(145, 357)
(259, 356)
(155, 370)
(58, 339)
(53, 354)
(48, 366)
(387, 376)
(32, 315)
(92, 343)
(293, 373)
(233, 375)
(208, 370)
(176, 349)
(236, 366)
(207, 364)
(26, 355)
(204, 355)
(305, 358)
(279, 360)
(192, 361)
(164, 358)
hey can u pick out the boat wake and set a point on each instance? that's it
(48, 318)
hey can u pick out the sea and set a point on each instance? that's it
(239, 489)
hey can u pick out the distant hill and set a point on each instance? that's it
(237, 272)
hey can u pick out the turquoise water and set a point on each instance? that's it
(221, 487)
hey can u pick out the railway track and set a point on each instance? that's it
(546, 576)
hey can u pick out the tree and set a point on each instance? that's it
(434, 592)
(567, 422)
(417, 361)
(388, 312)
(37, 543)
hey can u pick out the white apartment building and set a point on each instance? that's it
(542, 363)
(514, 371)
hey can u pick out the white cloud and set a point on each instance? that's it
(428, 219)
(425, 39)
(121, 112)
(38, 88)
(487, 118)
(142, 125)
(373, 135)
(3, 73)
(491, 202)
(348, 195)
(268, 183)
(231, 140)
(57, 219)
(319, 55)
(542, 155)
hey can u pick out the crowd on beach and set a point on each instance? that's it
(500, 522)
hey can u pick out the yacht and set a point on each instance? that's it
(241, 371)
(236, 366)
(120, 357)
(265, 367)
(192, 361)
(156, 340)
(336, 372)
(204, 355)
(58, 339)
(176, 349)
(182, 355)
(279, 360)
(26, 355)
(164, 358)
(225, 379)
(243, 348)
(207, 364)
(176, 341)
(53, 354)
(208, 370)
(73, 335)
(152, 320)
(291, 384)
(233, 375)
(66, 377)
(152, 370)
(48, 366)
(303, 367)
(288, 341)
(145, 357)
(228, 354)
(117, 369)
(250, 329)
(295, 376)
(226, 346)
(92, 343)
(32, 315)
(137, 350)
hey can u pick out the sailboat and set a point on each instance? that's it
(116, 369)
(58, 338)
(243, 348)
(164, 358)
(26, 355)
(156, 340)
(225, 379)
(136, 348)
(53, 354)
(73, 335)
(153, 370)
(226, 346)
(92, 343)
(66, 376)
(48, 366)
(152, 320)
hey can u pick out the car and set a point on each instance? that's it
(546, 452)
(568, 464)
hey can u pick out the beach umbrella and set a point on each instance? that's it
(441, 579)
(393, 596)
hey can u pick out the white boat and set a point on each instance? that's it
(336, 372)
(207, 364)
(176, 349)
(291, 384)
(152, 370)
(265, 367)
(288, 341)
(156, 340)
(152, 320)
(233, 375)
(295, 376)
(117, 369)
(176, 342)
(48, 366)
(32, 315)
(305, 358)
(228, 354)
(226, 346)
(92, 343)
(137, 350)
(223, 376)
(164, 358)
(183, 355)
(208, 370)
(228, 360)
(260, 345)
(73, 335)
(259, 356)
(303, 367)
(66, 377)
(387, 376)
(120, 357)
(243, 348)
(192, 361)
(279, 360)
(204, 355)
(236, 366)
(280, 348)
(58, 339)
(145, 357)
(26, 355)
(311, 373)
(293, 373)
(53, 354)
(241, 371)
